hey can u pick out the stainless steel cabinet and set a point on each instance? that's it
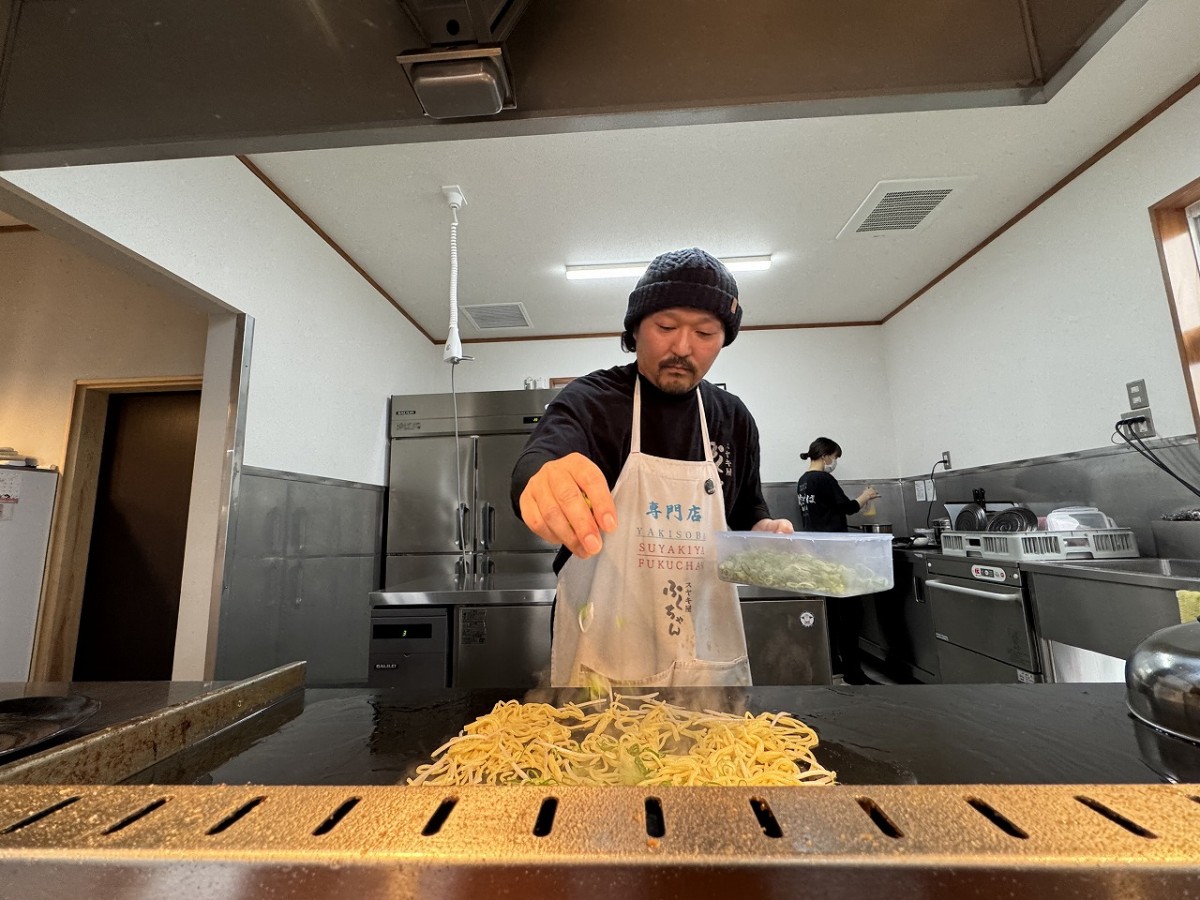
(897, 625)
(786, 637)
(1090, 615)
(449, 478)
(500, 646)
(425, 476)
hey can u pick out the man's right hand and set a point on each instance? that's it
(568, 502)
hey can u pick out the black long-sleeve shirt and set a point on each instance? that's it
(823, 504)
(593, 415)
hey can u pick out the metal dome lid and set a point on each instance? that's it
(1162, 680)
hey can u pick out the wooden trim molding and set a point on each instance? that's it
(334, 245)
(16, 229)
(1181, 276)
(57, 631)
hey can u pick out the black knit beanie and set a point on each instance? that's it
(690, 278)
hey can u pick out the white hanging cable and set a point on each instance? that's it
(459, 513)
(453, 354)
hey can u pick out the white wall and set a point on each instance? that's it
(328, 350)
(1025, 350)
(799, 384)
(64, 317)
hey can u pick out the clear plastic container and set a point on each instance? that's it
(1078, 518)
(807, 562)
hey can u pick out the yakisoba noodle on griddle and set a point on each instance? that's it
(630, 740)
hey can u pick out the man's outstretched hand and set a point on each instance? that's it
(568, 502)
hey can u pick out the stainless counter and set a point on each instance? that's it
(1091, 614)
(493, 590)
(496, 631)
(1171, 574)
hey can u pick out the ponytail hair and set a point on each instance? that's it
(821, 447)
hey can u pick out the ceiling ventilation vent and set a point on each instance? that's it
(902, 205)
(492, 316)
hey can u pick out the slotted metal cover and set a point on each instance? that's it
(835, 842)
(492, 316)
(901, 205)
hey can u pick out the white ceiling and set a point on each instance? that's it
(786, 188)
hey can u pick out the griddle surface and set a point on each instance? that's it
(885, 734)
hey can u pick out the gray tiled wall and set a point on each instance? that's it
(1115, 479)
(306, 552)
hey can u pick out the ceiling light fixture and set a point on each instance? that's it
(460, 82)
(635, 270)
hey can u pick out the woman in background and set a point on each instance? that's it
(824, 507)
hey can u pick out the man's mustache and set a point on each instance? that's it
(677, 362)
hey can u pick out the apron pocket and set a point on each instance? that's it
(659, 679)
(681, 673)
(706, 673)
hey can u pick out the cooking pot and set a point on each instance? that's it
(922, 537)
(940, 525)
(874, 528)
(1162, 680)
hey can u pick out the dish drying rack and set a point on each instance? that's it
(1036, 546)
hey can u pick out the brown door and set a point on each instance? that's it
(135, 562)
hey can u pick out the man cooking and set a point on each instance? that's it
(658, 460)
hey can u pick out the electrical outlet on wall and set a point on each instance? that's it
(946, 459)
(1144, 428)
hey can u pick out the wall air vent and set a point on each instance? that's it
(493, 316)
(906, 205)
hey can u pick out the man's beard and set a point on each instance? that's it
(668, 381)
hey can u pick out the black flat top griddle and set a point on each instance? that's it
(886, 734)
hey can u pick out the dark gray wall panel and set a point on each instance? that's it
(306, 552)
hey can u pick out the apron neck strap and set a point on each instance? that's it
(635, 439)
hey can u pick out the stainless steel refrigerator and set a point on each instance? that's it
(449, 512)
(26, 508)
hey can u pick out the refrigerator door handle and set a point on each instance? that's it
(461, 535)
(488, 527)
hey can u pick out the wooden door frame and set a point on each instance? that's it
(1181, 275)
(61, 604)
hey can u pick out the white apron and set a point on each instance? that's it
(648, 609)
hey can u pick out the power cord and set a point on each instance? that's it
(929, 509)
(1135, 441)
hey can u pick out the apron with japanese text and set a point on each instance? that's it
(648, 609)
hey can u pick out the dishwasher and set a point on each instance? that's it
(982, 622)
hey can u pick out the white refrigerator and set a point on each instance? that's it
(26, 507)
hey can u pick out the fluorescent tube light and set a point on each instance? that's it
(584, 273)
(747, 263)
(635, 270)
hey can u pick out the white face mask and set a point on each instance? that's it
(831, 465)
